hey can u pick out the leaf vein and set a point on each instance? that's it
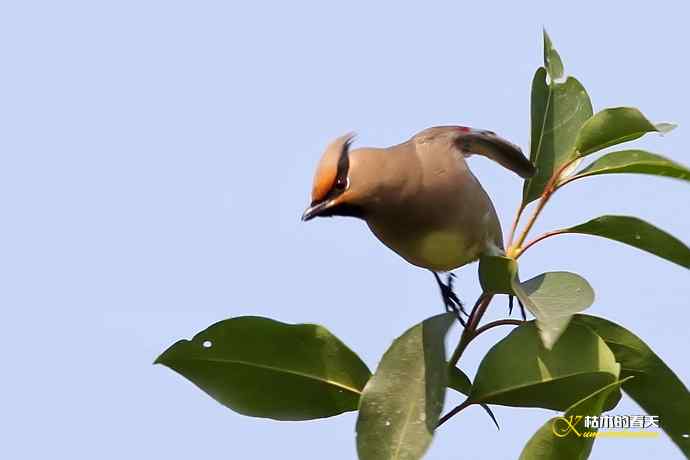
(279, 369)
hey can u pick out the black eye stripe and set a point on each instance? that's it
(344, 160)
(343, 166)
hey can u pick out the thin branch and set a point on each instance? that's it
(453, 412)
(474, 320)
(549, 189)
(516, 220)
(533, 218)
(468, 333)
(538, 239)
(500, 322)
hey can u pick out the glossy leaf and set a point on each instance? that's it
(558, 110)
(264, 368)
(615, 126)
(561, 437)
(553, 298)
(552, 60)
(637, 233)
(655, 387)
(520, 371)
(401, 404)
(637, 162)
(497, 274)
(459, 381)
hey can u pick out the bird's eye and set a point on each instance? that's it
(341, 183)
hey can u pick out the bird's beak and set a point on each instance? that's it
(316, 210)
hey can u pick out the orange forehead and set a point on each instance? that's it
(325, 175)
(327, 169)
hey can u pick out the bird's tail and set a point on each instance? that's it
(502, 151)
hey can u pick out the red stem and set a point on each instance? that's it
(500, 322)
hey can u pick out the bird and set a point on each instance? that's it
(419, 197)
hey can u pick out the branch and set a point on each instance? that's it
(500, 322)
(538, 239)
(549, 189)
(453, 412)
(516, 220)
(469, 333)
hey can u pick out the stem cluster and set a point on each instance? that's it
(516, 247)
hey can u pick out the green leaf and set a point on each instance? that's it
(264, 368)
(459, 381)
(553, 298)
(655, 387)
(615, 126)
(561, 437)
(520, 371)
(401, 404)
(634, 161)
(637, 233)
(558, 111)
(552, 60)
(497, 274)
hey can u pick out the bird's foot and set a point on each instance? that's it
(510, 307)
(451, 301)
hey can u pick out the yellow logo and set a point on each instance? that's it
(563, 426)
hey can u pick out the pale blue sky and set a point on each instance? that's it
(156, 157)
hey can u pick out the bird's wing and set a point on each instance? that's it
(488, 144)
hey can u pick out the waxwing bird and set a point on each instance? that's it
(419, 198)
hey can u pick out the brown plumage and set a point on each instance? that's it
(419, 198)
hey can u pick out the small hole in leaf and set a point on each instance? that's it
(686, 435)
(207, 344)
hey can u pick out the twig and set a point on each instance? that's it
(549, 189)
(500, 322)
(538, 239)
(516, 220)
(454, 411)
(468, 333)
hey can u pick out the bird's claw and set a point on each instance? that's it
(451, 301)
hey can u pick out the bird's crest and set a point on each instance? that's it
(331, 167)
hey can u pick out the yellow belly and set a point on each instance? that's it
(444, 251)
(436, 250)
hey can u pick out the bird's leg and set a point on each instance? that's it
(450, 300)
(510, 307)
